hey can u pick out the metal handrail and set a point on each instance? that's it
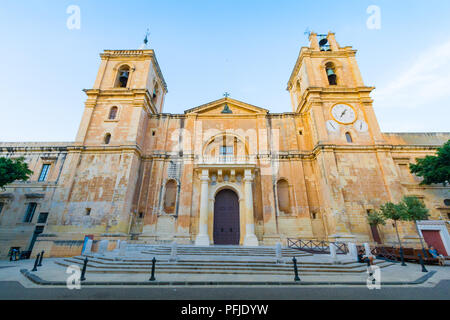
(317, 246)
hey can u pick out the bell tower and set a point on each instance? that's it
(326, 85)
(99, 184)
(334, 104)
(128, 86)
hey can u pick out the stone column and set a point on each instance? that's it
(352, 251)
(123, 248)
(202, 237)
(333, 254)
(103, 247)
(367, 249)
(88, 247)
(278, 253)
(250, 237)
(173, 252)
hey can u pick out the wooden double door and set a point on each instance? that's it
(226, 218)
(433, 238)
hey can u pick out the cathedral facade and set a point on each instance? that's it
(223, 173)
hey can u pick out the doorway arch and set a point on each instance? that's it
(226, 218)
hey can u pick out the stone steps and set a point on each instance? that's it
(214, 260)
(99, 265)
(146, 262)
(218, 250)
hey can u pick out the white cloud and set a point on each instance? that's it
(426, 80)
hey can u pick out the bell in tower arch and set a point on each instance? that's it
(123, 79)
(332, 78)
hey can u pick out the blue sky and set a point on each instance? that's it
(205, 48)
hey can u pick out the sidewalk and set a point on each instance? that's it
(51, 274)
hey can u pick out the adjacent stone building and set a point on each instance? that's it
(226, 172)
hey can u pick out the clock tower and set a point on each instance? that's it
(328, 93)
(326, 87)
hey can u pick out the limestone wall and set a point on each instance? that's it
(330, 190)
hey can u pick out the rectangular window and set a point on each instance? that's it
(1, 207)
(44, 172)
(226, 151)
(43, 217)
(30, 212)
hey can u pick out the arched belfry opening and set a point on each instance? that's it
(122, 77)
(155, 93)
(331, 74)
(226, 218)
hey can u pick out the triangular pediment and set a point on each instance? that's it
(226, 107)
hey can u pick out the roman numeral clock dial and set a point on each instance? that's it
(332, 126)
(343, 113)
(361, 126)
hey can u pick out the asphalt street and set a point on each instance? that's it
(15, 291)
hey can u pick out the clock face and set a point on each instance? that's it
(343, 113)
(361, 126)
(332, 126)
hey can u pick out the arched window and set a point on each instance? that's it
(284, 204)
(122, 77)
(331, 74)
(107, 138)
(348, 136)
(113, 113)
(155, 93)
(170, 196)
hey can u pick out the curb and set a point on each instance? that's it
(38, 280)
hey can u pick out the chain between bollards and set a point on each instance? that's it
(422, 263)
(40, 260)
(36, 262)
(83, 272)
(296, 278)
(152, 278)
(402, 258)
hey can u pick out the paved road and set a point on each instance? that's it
(14, 290)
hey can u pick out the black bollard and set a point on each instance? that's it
(152, 278)
(425, 253)
(36, 262)
(296, 278)
(422, 263)
(40, 260)
(83, 272)
(402, 258)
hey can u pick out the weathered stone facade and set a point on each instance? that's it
(139, 174)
